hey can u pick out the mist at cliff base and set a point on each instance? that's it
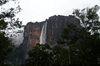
(16, 37)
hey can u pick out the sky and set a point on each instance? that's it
(40, 10)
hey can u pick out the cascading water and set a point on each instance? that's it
(43, 34)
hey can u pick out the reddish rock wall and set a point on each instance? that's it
(32, 32)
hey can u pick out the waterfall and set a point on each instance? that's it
(43, 34)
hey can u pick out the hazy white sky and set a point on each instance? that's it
(39, 10)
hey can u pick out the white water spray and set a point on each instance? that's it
(43, 34)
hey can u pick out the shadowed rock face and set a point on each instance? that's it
(32, 32)
(55, 25)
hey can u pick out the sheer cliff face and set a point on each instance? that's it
(55, 25)
(32, 32)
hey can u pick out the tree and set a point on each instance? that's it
(60, 56)
(7, 18)
(40, 56)
(89, 19)
(6, 45)
(3, 2)
(69, 36)
(47, 55)
(86, 50)
(83, 41)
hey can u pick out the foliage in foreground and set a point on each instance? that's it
(6, 45)
(46, 55)
(82, 43)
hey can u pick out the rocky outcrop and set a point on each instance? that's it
(32, 32)
(55, 25)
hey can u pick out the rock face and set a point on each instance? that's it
(55, 25)
(32, 32)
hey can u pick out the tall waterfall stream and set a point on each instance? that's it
(43, 34)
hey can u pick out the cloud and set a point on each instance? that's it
(17, 36)
(39, 10)
(17, 40)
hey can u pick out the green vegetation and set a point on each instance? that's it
(6, 45)
(46, 55)
(81, 43)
